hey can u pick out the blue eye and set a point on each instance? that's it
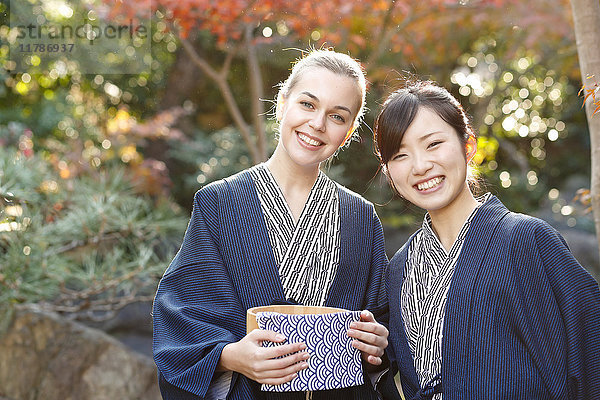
(339, 117)
(307, 104)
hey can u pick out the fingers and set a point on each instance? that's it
(369, 349)
(281, 363)
(371, 338)
(293, 360)
(372, 333)
(366, 342)
(283, 350)
(283, 368)
(372, 328)
(367, 316)
(374, 360)
(367, 323)
(277, 364)
(260, 335)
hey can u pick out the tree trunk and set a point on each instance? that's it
(586, 19)
(182, 81)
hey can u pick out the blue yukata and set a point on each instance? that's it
(522, 316)
(226, 265)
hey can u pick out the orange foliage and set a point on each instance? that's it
(591, 92)
(354, 21)
(407, 27)
(418, 33)
(151, 177)
(584, 197)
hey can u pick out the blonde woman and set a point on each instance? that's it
(281, 231)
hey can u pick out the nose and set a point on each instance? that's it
(317, 122)
(421, 164)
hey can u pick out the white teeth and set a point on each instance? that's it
(308, 140)
(430, 183)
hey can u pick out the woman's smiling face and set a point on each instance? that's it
(317, 115)
(430, 167)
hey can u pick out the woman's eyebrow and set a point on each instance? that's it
(421, 139)
(312, 96)
(425, 137)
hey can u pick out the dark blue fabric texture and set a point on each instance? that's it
(522, 316)
(226, 265)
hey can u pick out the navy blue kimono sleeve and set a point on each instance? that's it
(578, 298)
(196, 308)
(377, 299)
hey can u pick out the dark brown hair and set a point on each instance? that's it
(400, 109)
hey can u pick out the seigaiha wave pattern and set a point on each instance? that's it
(333, 362)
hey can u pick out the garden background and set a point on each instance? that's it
(100, 156)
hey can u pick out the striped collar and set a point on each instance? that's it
(429, 271)
(432, 239)
(307, 252)
(456, 322)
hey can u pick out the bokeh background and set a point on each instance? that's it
(98, 170)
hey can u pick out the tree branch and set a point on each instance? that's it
(199, 61)
(221, 80)
(227, 64)
(81, 243)
(256, 93)
(381, 41)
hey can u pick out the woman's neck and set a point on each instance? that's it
(448, 221)
(295, 181)
(289, 174)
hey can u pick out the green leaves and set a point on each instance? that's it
(84, 246)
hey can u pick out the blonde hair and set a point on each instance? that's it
(338, 63)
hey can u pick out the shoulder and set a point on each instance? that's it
(222, 188)
(353, 199)
(537, 247)
(522, 227)
(508, 225)
(358, 212)
(402, 253)
(532, 243)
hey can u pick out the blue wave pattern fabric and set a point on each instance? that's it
(333, 362)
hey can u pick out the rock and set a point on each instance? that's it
(134, 317)
(44, 356)
(132, 325)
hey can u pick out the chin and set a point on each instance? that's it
(310, 159)
(306, 162)
(431, 205)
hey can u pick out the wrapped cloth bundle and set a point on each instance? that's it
(333, 362)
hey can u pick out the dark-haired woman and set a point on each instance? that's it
(484, 303)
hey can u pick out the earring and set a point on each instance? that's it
(348, 135)
(469, 148)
